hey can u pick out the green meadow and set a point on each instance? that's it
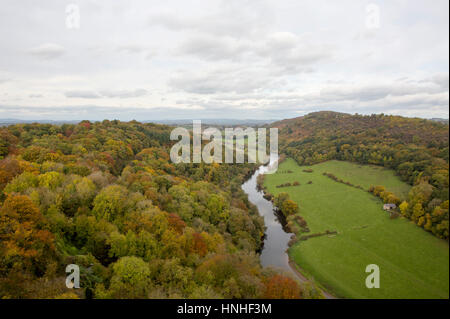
(412, 262)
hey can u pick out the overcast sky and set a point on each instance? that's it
(242, 59)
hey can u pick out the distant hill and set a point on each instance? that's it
(440, 120)
(381, 128)
(5, 122)
(219, 122)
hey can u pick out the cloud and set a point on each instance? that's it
(122, 94)
(248, 64)
(292, 53)
(213, 48)
(374, 91)
(130, 48)
(282, 51)
(222, 80)
(390, 98)
(97, 112)
(252, 58)
(235, 18)
(82, 94)
(441, 79)
(47, 51)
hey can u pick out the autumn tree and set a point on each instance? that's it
(281, 287)
(110, 202)
(25, 241)
(289, 207)
(130, 279)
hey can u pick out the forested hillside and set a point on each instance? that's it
(106, 197)
(417, 149)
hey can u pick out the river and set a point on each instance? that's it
(274, 251)
(276, 238)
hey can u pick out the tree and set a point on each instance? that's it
(281, 287)
(418, 212)
(21, 183)
(289, 207)
(176, 223)
(377, 190)
(391, 198)
(131, 279)
(9, 168)
(23, 236)
(110, 203)
(404, 208)
(421, 192)
(79, 193)
(280, 198)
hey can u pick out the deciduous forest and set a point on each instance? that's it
(106, 197)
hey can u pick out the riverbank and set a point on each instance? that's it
(277, 239)
(295, 268)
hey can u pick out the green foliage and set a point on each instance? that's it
(109, 199)
(105, 195)
(51, 180)
(21, 183)
(287, 206)
(110, 203)
(130, 279)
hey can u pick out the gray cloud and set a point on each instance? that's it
(98, 113)
(82, 94)
(289, 51)
(442, 80)
(214, 48)
(377, 91)
(47, 51)
(252, 58)
(282, 52)
(122, 94)
(235, 18)
(351, 98)
(222, 80)
(130, 48)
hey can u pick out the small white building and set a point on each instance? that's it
(389, 207)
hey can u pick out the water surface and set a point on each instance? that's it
(274, 251)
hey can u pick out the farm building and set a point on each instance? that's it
(389, 206)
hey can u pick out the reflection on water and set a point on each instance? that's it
(276, 240)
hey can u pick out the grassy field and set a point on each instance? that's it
(366, 175)
(413, 263)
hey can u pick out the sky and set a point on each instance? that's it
(234, 59)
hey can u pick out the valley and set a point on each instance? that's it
(107, 197)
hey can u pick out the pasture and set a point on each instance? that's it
(413, 263)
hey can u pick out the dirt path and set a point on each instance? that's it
(302, 278)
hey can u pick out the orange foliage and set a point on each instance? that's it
(22, 234)
(9, 168)
(281, 287)
(199, 245)
(176, 223)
